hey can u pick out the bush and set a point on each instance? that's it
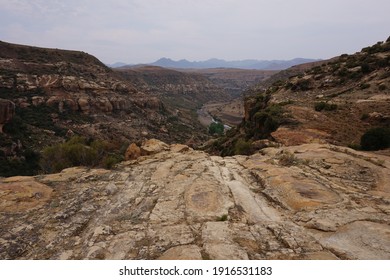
(288, 159)
(382, 87)
(375, 139)
(216, 128)
(364, 86)
(320, 106)
(78, 151)
(365, 68)
(242, 147)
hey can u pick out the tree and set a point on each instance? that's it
(216, 128)
(375, 139)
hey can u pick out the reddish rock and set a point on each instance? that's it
(132, 152)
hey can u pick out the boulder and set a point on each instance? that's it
(132, 152)
(84, 104)
(153, 146)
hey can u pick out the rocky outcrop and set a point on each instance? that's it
(7, 112)
(313, 201)
(132, 152)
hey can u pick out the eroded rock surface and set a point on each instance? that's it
(313, 201)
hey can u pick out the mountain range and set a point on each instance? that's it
(220, 63)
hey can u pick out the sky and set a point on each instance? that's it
(142, 31)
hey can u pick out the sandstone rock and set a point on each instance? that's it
(23, 194)
(132, 152)
(179, 148)
(293, 137)
(330, 203)
(186, 252)
(7, 112)
(153, 146)
(84, 104)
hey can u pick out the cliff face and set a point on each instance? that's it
(66, 81)
(302, 202)
(190, 88)
(7, 112)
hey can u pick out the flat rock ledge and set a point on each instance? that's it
(313, 201)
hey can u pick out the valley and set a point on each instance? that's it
(101, 163)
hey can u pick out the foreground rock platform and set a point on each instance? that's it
(313, 201)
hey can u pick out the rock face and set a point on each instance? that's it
(59, 90)
(313, 201)
(7, 112)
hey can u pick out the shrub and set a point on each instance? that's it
(78, 151)
(242, 147)
(288, 159)
(216, 128)
(364, 117)
(110, 161)
(376, 139)
(222, 218)
(364, 86)
(365, 68)
(320, 106)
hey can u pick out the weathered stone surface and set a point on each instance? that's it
(322, 202)
(186, 252)
(153, 146)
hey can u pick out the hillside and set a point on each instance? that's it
(335, 102)
(48, 95)
(171, 84)
(233, 80)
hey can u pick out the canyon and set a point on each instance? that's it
(286, 182)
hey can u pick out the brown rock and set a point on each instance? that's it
(84, 105)
(293, 137)
(186, 252)
(23, 193)
(132, 152)
(153, 146)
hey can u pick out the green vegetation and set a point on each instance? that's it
(376, 139)
(216, 128)
(78, 151)
(302, 85)
(223, 218)
(242, 147)
(27, 164)
(324, 106)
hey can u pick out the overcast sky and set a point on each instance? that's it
(140, 31)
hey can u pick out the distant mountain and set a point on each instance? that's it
(242, 64)
(116, 64)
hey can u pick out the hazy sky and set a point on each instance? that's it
(137, 31)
